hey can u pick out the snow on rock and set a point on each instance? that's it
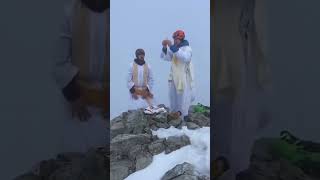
(169, 143)
(197, 154)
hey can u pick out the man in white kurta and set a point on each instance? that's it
(181, 74)
(81, 72)
(140, 84)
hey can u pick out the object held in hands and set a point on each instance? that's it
(166, 43)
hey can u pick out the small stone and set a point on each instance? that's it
(192, 125)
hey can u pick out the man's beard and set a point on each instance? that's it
(96, 5)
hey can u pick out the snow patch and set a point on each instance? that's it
(197, 154)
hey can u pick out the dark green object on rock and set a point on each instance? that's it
(293, 149)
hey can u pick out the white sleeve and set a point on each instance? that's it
(166, 56)
(150, 78)
(63, 70)
(184, 54)
(130, 82)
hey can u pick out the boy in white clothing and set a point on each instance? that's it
(140, 82)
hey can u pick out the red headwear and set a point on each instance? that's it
(179, 34)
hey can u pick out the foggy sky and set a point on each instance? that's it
(144, 24)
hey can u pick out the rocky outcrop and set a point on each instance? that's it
(183, 171)
(133, 146)
(93, 165)
(135, 122)
(173, 143)
(267, 166)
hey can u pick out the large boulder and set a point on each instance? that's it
(183, 171)
(132, 148)
(265, 165)
(175, 122)
(173, 143)
(135, 122)
(199, 118)
(123, 144)
(157, 147)
(143, 160)
(121, 169)
(191, 125)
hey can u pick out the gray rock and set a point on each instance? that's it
(94, 164)
(199, 119)
(183, 123)
(122, 144)
(117, 128)
(289, 171)
(131, 149)
(161, 117)
(175, 122)
(65, 173)
(135, 151)
(191, 125)
(154, 127)
(264, 166)
(69, 156)
(157, 147)
(191, 109)
(203, 177)
(28, 176)
(131, 139)
(173, 143)
(143, 160)
(163, 106)
(152, 122)
(186, 177)
(154, 138)
(136, 122)
(120, 170)
(163, 125)
(184, 170)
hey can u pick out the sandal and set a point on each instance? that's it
(149, 110)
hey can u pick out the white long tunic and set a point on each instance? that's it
(139, 103)
(180, 101)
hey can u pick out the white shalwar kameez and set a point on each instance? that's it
(180, 79)
(139, 103)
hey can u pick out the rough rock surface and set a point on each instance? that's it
(132, 140)
(266, 166)
(173, 143)
(132, 148)
(184, 171)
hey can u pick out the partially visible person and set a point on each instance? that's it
(242, 81)
(81, 71)
(181, 78)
